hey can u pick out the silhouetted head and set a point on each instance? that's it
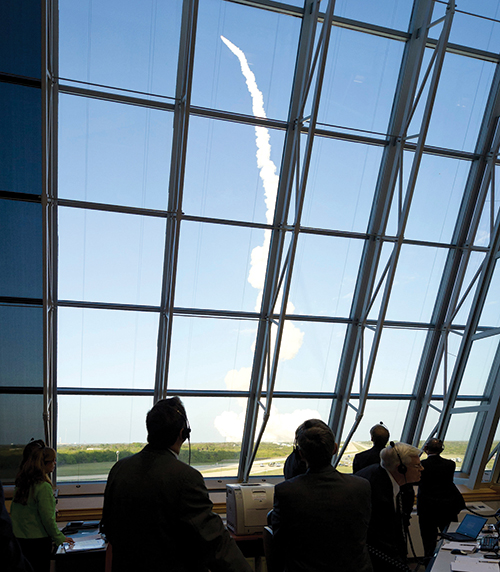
(379, 435)
(316, 443)
(165, 421)
(434, 447)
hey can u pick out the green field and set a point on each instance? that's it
(93, 462)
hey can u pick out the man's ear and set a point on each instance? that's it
(336, 448)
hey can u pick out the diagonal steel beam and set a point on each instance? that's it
(278, 276)
(404, 103)
(449, 293)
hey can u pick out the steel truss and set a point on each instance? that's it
(407, 98)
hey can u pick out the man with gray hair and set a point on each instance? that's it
(392, 502)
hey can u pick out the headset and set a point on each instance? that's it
(186, 429)
(402, 468)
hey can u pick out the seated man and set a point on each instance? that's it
(379, 436)
(392, 502)
(157, 513)
(320, 519)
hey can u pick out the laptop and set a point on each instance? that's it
(469, 529)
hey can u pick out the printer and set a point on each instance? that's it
(247, 506)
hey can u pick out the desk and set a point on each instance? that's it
(443, 558)
(81, 561)
(251, 546)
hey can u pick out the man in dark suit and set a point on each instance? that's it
(438, 500)
(320, 519)
(392, 502)
(157, 513)
(379, 436)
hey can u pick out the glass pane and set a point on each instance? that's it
(20, 420)
(437, 198)
(113, 153)
(340, 186)
(208, 252)
(21, 253)
(324, 275)
(475, 261)
(110, 257)
(95, 431)
(207, 353)
(471, 30)
(21, 140)
(387, 13)
(286, 416)
(121, 44)
(390, 413)
(431, 421)
(309, 356)
(21, 346)
(107, 348)
(20, 38)
(459, 105)
(416, 283)
(397, 360)
(217, 431)
(232, 170)
(267, 43)
(458, 434)
(360, 78)
(490, 316)
(478, 365)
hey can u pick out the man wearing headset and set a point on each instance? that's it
(392, 502)
(379, 435)
(157, 514)
(438, 500)
(320, 518)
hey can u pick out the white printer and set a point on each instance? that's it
(247, 506)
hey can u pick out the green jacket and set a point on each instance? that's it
(37, 519)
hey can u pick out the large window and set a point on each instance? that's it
(276, 213)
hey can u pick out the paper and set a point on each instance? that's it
(465, 546)
(467, 564)
(94, 542)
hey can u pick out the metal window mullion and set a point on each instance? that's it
(456, 264)
(49, 94)
(404, 213)
(262, 356)
(176, 184)
(381, 206)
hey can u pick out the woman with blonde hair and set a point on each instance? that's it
(33, 509)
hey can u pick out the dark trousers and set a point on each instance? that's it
(429, 525)
(37, 551)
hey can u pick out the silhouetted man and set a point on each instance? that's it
(392, 502)
(157, 513)
(438, 500)
(379, 436)
(320, 519)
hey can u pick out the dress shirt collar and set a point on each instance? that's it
(395, 487)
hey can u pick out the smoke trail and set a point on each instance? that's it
(281, 426)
